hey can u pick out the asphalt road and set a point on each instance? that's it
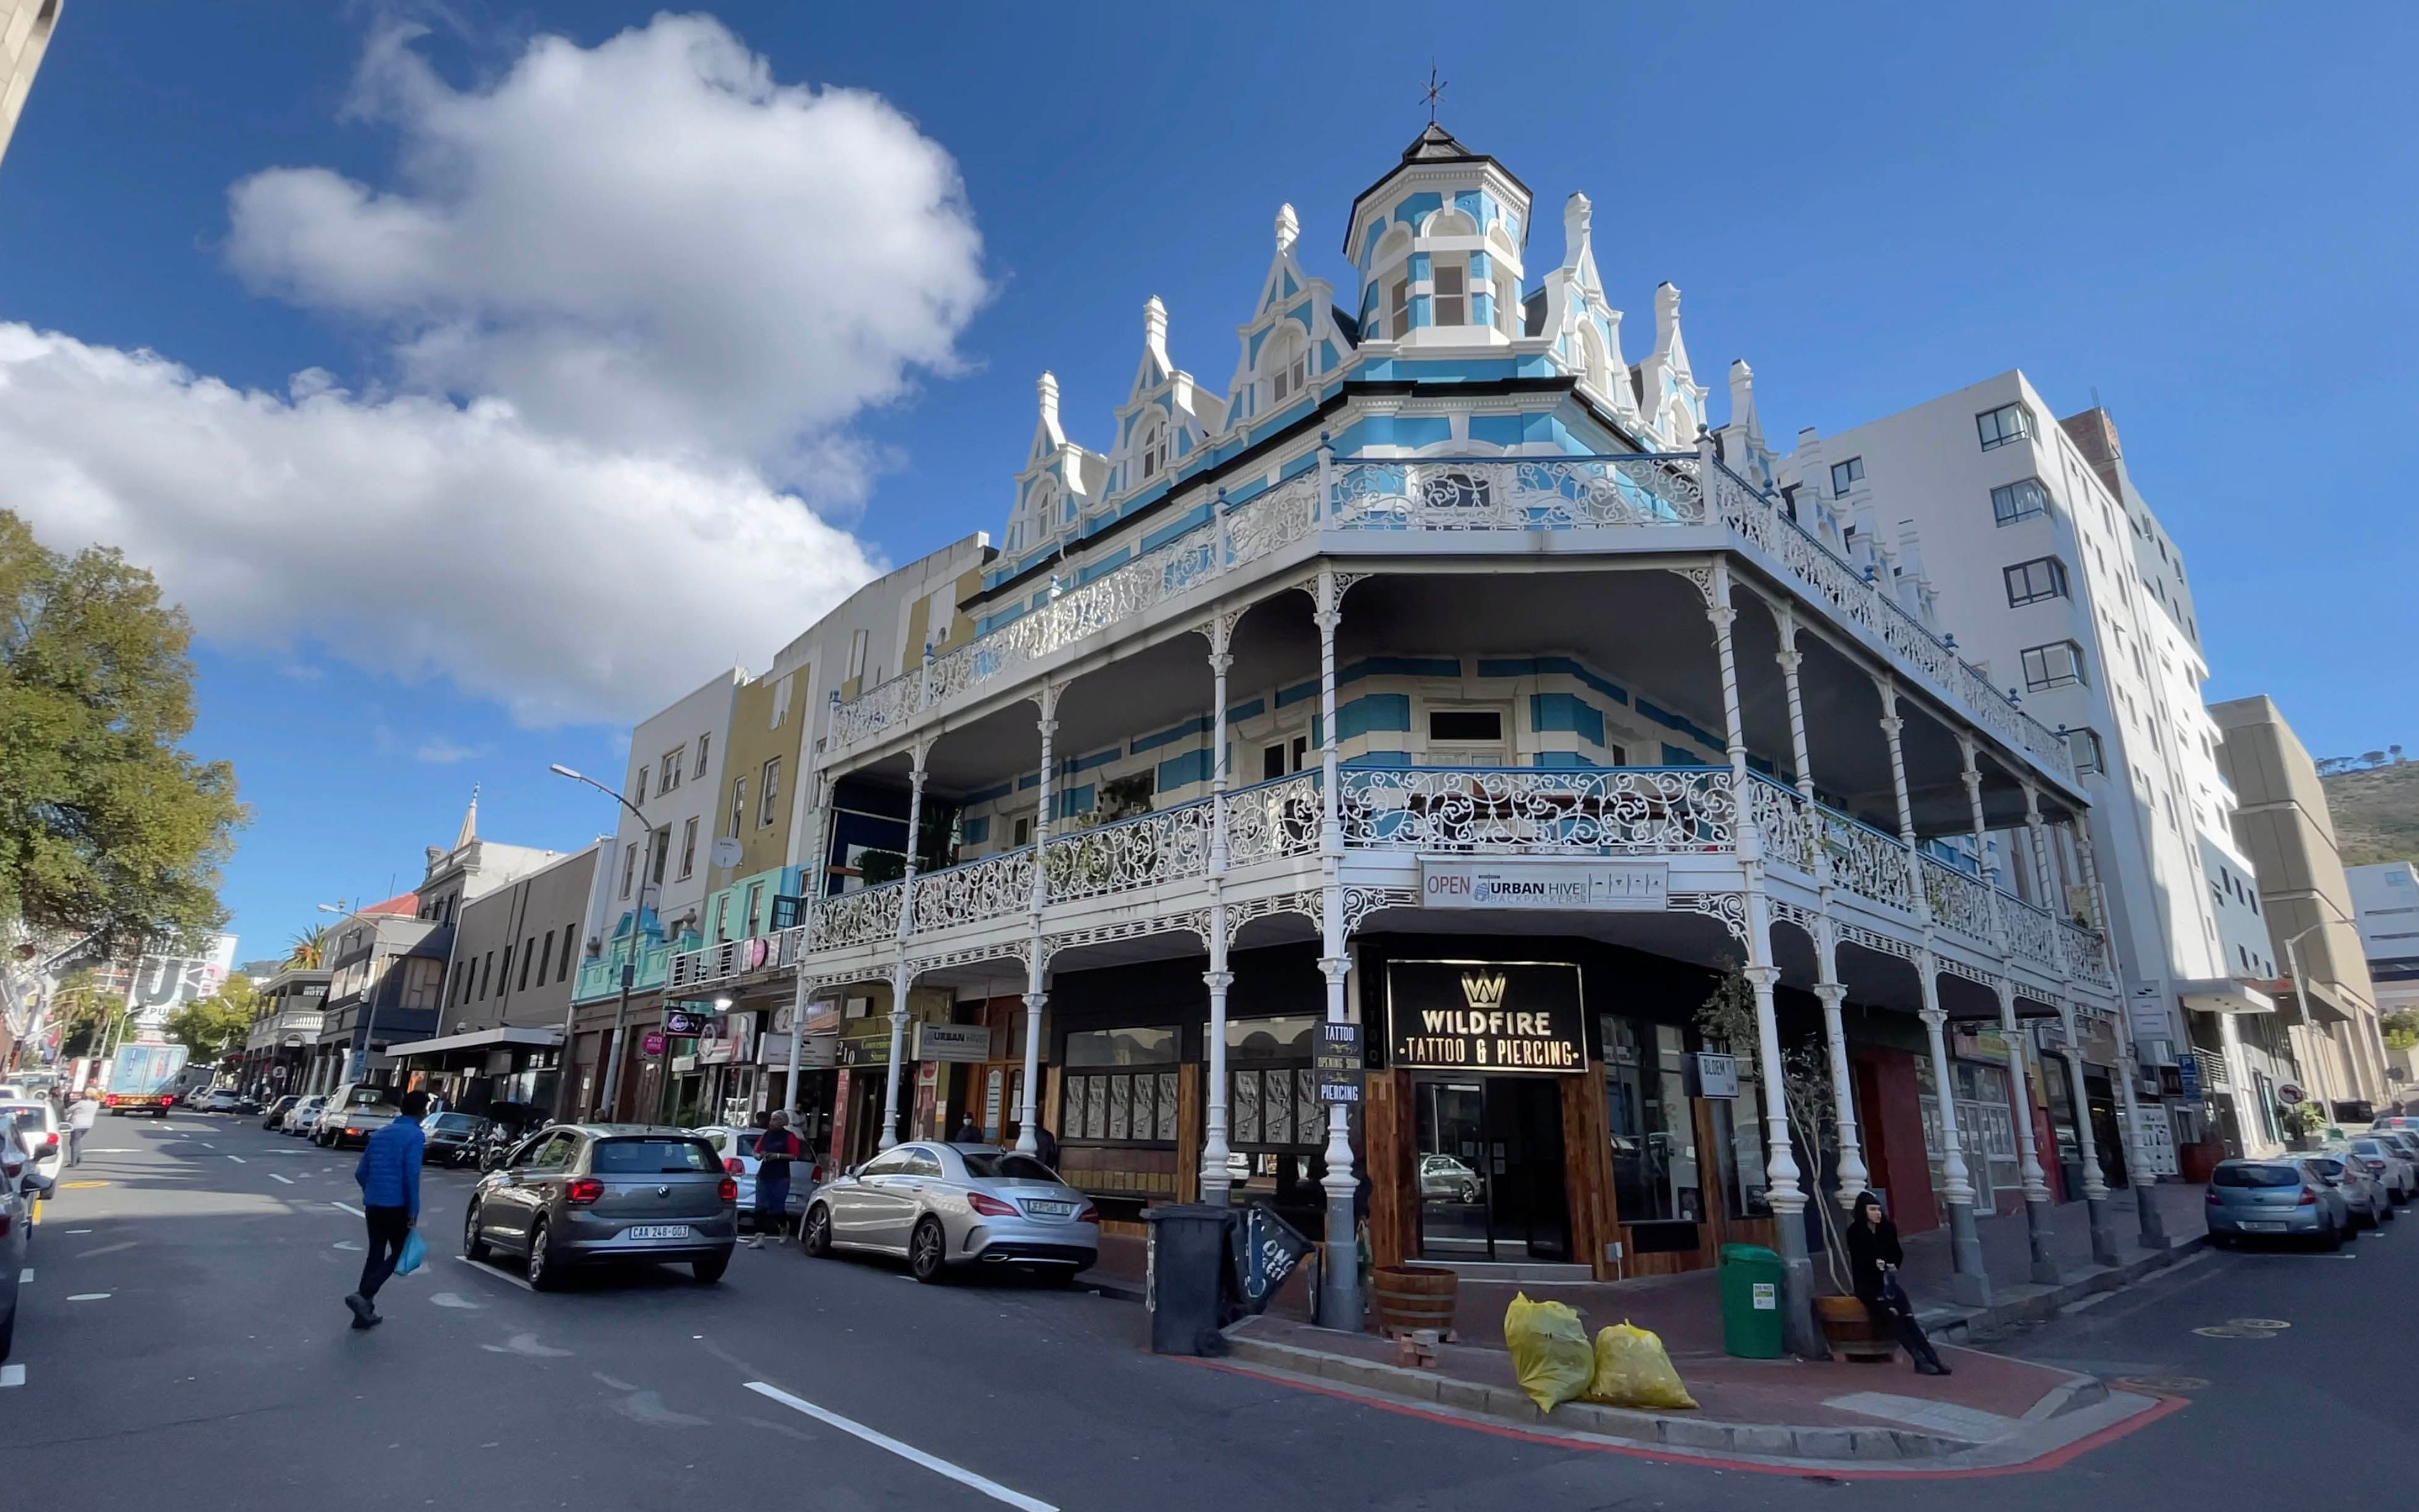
(184, 1344)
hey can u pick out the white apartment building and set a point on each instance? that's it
(26, 27)
(2027, 538)
(2385, 906)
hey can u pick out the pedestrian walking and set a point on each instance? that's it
(1045, 1145)
(389, 1174)
(775, 1148)
(81, 1116)
(1873, 1259)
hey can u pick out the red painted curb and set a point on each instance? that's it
(2055, 1459)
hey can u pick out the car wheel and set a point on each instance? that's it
(2218, 1241)
(2386, 1213)
(474, 1247)
(2332, 1239)
(816, 1240)
(927, 1253)
(708, 1272)
(545, 1274)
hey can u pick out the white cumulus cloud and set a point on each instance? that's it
(630, 298)
(649, 240)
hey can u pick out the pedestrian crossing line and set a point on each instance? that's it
(349, 1208)
(904, 1451)
(275, 1177)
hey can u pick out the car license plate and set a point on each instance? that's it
(1050, 1209)
(656, 1231)
(2262, 1229)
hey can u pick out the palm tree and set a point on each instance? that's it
(306, 951)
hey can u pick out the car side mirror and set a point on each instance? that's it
(851, 1171)
(36, 1183)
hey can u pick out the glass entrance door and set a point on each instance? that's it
(1490, 1172)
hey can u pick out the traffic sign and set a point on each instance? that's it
(653, 1043)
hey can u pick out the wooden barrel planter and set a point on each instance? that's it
(1853, 1332)
(1411, 1298)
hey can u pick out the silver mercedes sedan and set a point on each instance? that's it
(943, 1206)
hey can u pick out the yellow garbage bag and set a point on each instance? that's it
(1549, 1350)
(1632, 1370)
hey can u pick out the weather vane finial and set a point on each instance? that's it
(1434, 93)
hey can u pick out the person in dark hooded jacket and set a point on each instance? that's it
(1874, 1259)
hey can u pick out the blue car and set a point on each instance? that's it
(2275, 1199)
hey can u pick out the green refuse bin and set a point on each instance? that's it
(1751, 1286)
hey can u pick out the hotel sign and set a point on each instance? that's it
(1543, 882)
(1486, 1016)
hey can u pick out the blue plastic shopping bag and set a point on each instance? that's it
(414, 1252)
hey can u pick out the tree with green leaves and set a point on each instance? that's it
(210, 1026)
(107, 828)
(2402, 1029)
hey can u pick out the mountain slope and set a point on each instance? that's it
(2375, 812)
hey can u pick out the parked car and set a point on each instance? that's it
(1445, 1179)
(2407, 1122)
(352, 1114)
(944, 1205)
(218, 1100)
(20, 1182)
(2274, 1198)
(593, 1192)
(451, 1139)
(736, 1150)
(276, 1112)
(2364, 1193)
(2404, 1141)
(36, 1125)
(302, 1115)
(2387, 1163)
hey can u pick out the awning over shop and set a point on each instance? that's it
(480, 1040)
(2224, 994)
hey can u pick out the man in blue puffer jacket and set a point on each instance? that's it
(389, 1177)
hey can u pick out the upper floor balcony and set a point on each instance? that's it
(1405, 508)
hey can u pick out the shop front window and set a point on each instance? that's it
(1738, 1150)
(1655, 1166)
(1271, 1093)
(1115, 1091)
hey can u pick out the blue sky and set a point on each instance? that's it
(2209, 223)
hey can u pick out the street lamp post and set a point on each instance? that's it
(629, 971)
(2302, 999)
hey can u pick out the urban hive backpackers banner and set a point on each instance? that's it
(1484, 1016)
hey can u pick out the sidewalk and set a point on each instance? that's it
(1992, 1411)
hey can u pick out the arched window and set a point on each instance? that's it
(1285, 363)
(1451, 223)
(1593, 368)
(1153, 451)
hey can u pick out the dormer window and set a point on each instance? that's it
(1288, 365)
(1398, 311)
(1154, 451)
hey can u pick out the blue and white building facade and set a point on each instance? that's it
(1450, 677)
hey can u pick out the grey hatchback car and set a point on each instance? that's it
(592, 1193)
(2274, 1198)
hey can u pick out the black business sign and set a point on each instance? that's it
(1486, 1016)
(1338, 1061)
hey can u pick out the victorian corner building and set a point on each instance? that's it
(1444, 693)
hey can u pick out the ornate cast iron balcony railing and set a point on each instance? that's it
(1145, 851)
(1554, 810)
(970, 892)
(1960, 901)
(1272, 820)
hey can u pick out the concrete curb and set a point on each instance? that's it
(1696, 1435)
(2030, 1304)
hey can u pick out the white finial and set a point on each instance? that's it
(1578, 215)
(1048, 388)
(1154, 325)
(1288, 227)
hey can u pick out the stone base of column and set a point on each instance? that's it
(1216, 1191)
(1970, 1284)
(2037, 1229)
(2104, 1239)
(1800, 1335)
(1339, 1268)
(2154, 1229)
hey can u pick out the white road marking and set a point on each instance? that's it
(275, 1177)
(79, 1231)
(12, 1375)
(26, 1276)
(109, 1249)
(90, 1296)
(348, 1207)
(455, 1299)
(239, 1160)
(904, 1451)
(207, 1145)
(497, 1272)
(527, 1344)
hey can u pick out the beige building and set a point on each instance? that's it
(26, 27)
(2283, 826)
